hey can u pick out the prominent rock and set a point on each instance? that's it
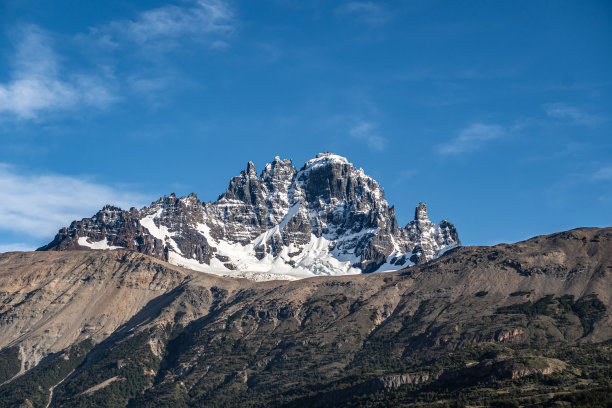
(430, 239)
(328, 218)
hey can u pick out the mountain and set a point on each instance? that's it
(328, 218)
(513, 324)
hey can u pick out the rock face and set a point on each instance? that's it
(328, 218)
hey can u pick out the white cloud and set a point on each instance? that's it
(366, 132)
(39, 83)
(160, 28)
(368, 12)
(572, 114)
(38, 205)
(36, 84)
(472, 138)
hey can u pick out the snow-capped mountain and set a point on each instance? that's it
(328, 218)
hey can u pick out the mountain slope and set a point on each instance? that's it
(505, 316)
(328, 218)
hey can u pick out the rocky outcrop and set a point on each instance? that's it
(328, 218)
(109, 227)
(507, 368)
(394, 382)
(429, 238)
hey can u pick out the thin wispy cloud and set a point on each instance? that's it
(41, 81)
(38, 205)
(206, 21)
(368, 12)
(404, 176)
(472, 138)
(562, 111)
(575, 182)
(366, 132)
(604, 173)
(37, 84)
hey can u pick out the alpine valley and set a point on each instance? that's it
(341, 306)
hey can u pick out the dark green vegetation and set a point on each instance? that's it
(409, 360)
(32, 389)
(516, 325)
(130, 364)
(508, 376)
(9, 363)
(588, 309)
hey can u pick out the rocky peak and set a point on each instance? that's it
(250, 170)
(245, 187)
(328, 218)
(325, 159)
(420, 213)
(330, 178)
(110, 208)
(108, 215)
(278, 175)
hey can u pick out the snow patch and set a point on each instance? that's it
(103, 244)
(445, 249)
(293, 262)
(295, 208)
(160, 232)
(392, 263)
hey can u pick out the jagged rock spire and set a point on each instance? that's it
(250, 170)
(420, 213)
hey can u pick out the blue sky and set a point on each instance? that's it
(497, 114)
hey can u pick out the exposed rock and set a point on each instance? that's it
(393, 382)
(518, 368)
(328, 218)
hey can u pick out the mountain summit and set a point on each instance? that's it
(328, 218)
